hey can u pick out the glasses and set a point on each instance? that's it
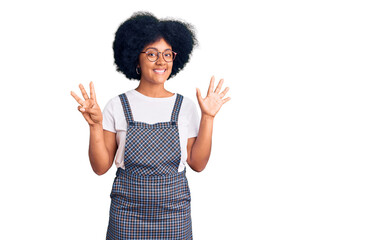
(152, 54)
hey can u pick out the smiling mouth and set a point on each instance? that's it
(159, 71)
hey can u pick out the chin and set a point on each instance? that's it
(156, 80)
(159, 79)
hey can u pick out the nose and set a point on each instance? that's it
(160, 60)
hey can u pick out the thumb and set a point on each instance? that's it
(199, 97)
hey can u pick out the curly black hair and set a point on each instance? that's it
(143, 28)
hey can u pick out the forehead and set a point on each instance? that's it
(160, 44)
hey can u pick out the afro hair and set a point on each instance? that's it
(143, 28)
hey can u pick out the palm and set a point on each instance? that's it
(91, 117)
(211, 104)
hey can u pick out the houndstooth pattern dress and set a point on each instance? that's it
(150, 199)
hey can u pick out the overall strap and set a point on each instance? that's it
(176, 110)
(126, 108)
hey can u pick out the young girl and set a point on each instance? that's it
(152, 132)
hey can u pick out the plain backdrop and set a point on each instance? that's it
(293, 153)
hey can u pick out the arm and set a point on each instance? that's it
(102, 144)
(199, 148)
(102, 149)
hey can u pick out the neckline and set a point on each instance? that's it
(129, 116)
(152, 99)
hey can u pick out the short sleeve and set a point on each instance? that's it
(108, 117)
(194, 121)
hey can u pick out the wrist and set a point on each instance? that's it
(207, 117)
(96, 126)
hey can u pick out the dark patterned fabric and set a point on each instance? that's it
(150, 199)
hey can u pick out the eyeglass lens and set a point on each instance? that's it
(167, 55)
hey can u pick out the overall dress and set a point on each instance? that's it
(150, 199)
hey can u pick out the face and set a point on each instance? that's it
(155, 72)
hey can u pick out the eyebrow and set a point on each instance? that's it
(157, 48)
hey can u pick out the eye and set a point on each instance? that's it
(168, 54)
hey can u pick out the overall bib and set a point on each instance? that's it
(150, 199)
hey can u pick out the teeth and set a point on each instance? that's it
(159, 71)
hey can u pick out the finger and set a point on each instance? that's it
(224, 92)
(84, 94)
(199, 97)
(85, 114)
(226, 100)
(81, 109)
(78, 99)
(84, 108)
(87, 117)
(211, 85)
(219, 86)
(92, 92)
(90, 110)
(88, 105)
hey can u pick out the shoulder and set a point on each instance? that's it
(188, 102)
(188, 107)
(114, 104)
(114, 101)
(188, 117)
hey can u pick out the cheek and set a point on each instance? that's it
(145, 65)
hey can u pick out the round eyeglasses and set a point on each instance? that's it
(152, 54)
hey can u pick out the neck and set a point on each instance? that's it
(153, 90)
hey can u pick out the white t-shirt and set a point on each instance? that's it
(150, 110)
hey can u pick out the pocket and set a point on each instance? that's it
(115, 187)
(187, 190)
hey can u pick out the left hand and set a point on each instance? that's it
(211, 104)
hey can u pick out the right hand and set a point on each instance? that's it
(89, 108)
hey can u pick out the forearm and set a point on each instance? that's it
(202, 147)
(98, 154)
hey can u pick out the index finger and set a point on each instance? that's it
(92, 92)
(78, 99)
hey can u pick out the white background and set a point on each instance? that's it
(293, 152)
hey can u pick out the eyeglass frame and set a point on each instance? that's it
(173, 54)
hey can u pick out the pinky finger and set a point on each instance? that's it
(226, 100)
(81, 109)
(222, 94)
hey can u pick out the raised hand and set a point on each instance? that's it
(89, 107)
(211, 104)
